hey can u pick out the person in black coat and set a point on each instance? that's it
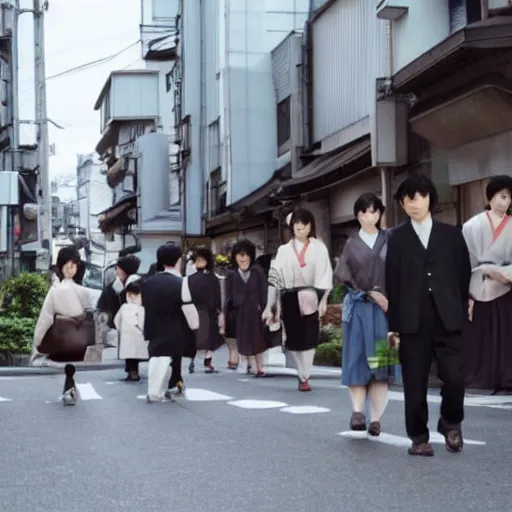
(112, 298)
(165, 325)
(427, 278)
(205, 292)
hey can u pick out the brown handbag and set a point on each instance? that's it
(68, 337)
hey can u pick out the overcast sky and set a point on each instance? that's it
(76, 32)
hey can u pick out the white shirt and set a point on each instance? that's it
(368, 238)
(173, 271)
(423, 230)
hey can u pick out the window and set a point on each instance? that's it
(217, 194)
(214, 145)
(168, 81)
(185, 136)
(283, 122)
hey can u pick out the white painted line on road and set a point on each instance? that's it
(7, 378)
(257, 404)
(305, 409)
(204, 395)
(400, 441)
(86, 391)
(244, 380)
(5, 399)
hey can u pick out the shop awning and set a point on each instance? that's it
(253, 204)
(464, 47)
(329, 169)
(119, 214)
(116, 173)
(478, 110)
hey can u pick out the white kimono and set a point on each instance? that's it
(129, 322)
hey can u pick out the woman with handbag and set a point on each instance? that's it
(65, 327)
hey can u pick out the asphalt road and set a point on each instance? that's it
(235, 444)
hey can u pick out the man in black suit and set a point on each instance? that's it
(165, 325)
(427, 280)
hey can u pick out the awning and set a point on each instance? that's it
(330, 169)
(477, 111)
(461, 49)
(253, 204)
(116, 173)
(120, 214)
(109, 138)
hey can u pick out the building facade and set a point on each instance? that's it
(228, 112)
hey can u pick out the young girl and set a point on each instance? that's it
(129, 322)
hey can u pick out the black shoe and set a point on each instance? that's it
(69, 393)
(191, 368)
(452, 436)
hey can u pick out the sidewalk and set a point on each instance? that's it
(275, 365)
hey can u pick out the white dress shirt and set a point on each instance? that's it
(423, 230)
(173, 271)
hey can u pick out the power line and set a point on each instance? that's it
(86, 65)
(92, 63)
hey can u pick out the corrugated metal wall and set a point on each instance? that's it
(281, 70)
(349, 53)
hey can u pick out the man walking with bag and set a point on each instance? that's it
(165, 325)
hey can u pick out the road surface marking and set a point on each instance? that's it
(305, 409)
(401, 441)
(204, 395)
(258, 404)
(86, 391)
(5, 399)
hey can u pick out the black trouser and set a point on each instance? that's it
(416, 353)
(176, 371)
(131, 365)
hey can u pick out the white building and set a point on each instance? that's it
(227, 103)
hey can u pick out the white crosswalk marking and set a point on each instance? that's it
(5, 399)
(401, 441)
(87, 392)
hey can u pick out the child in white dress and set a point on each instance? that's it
(129, 322)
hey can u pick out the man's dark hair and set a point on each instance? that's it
(243, 246)
(134, 287)
(417, 184)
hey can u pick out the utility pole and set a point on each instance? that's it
(42, 122)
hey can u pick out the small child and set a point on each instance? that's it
(70, 391)
(129, 322)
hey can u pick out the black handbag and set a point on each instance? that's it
(273, 338)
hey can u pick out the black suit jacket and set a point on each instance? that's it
(165, 326)
(443, 269)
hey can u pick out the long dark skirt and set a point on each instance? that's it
(489, 345)
(208, 336)
(302, 332)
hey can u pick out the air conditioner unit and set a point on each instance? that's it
(499, 4)
(392, 10)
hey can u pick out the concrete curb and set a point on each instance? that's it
(36, 371)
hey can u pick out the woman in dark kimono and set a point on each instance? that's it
(246, 297)
(204, 288)
(488, 236)
(368, 363)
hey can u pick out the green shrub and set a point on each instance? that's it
(28, 291)
(16, 334)
(328, 354)
(336, 295)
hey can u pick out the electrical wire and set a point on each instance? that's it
(83, 67)
(92, 63)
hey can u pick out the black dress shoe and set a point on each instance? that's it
(452, 436)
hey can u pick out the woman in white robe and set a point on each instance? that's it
(302, 275)
(489, 239)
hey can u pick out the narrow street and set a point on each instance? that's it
(235, 443)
